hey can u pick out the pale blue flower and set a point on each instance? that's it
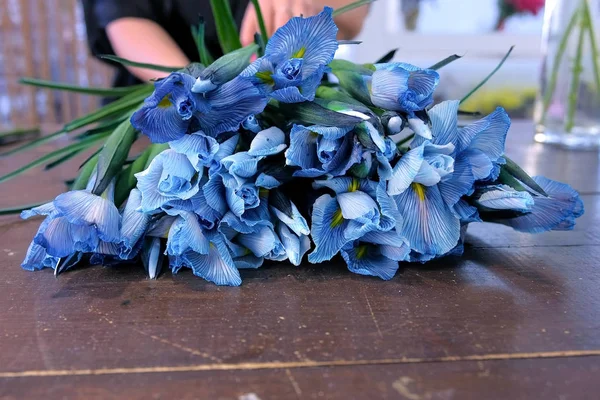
(295, 58)
(169, 178)
(403, 87)
(134, 225)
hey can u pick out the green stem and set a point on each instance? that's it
(577, 69)
(261, 21)
(593, 44)
(562, 47)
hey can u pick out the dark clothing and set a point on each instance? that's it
(175, 16)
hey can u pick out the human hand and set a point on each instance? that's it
(275, 13)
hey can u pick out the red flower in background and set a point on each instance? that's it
(532, 6)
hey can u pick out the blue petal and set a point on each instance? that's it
(267, 181)
(231, 222)
(367, 260)
(461, 182)
(330, 132)
(466, 212)
(217, 267)
(82, 208)
(444, 124)
(303, 149)
(295, 246)
(268, 142)
(251, 124)
(215, 195)
(296, 222)
(488, 134)
(430, 226)
(160, 228)
(199, 148)
(230, 105)
(420, 128)
(260, 242)
(403, 87)
(314, 36)
(248, 262)
(241, 164)
(185, 234)
(357, 205)
(347, 184)
(166, 114)
(556, 212)
(405, 171)
(37, 259)
(391, 244)
(327, 230)
(54, 235)
(505, 198)
(45, 209)
(134, 224)
(289, 95)
(170, 176)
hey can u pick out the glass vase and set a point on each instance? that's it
(567, 109)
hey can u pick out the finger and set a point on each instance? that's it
(249, 26)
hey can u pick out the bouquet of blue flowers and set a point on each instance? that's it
(270, 160)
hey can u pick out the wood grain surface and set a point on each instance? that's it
(517, 317)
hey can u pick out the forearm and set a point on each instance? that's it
(142, 40)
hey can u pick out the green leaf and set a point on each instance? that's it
(199, 37)
(230, 65)
(506, 178)
(124, 104)
(114, 92)
(113, 155)
(126, 179)
(84, 144)
(85, 172)
(328, 93)
(521, 175)
(130, 63)
(387, 57)
(103, 127)
(351, 7)
(62, 159)
(445, 62)
(487, 78)
(261, 22)
(19, 132)
(227, 32)
(354, 84)
(18, 209)
(339, 65)
(313, 114)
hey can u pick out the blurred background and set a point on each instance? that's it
(46, 39)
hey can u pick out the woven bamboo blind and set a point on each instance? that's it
(45, 39)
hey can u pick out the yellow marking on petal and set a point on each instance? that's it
(300, 53)
(337, 219)
(420, 190)
(265, 77)
(361, 251)
(263, 193)
(354, 185)
(212, 245)
(314, 134)
(165, 102)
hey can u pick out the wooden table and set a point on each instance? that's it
(517, 317)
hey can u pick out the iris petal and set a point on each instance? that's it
(217, 266)
(327, 229)
(366, 260)
(405, 171)
(429, 225)
(268, 142)
(199, 148)
(134, 224)
(82, 208)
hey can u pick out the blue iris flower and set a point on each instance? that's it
(478, 147)
(377, 253)
(174, 110)
(296, 58)
(134, 225)
(291, 227)
(170, 177)
(403, 87)
(502, 197)
(76, 221)
(557, 211)
(199, 148)
(357, 208)
(431, 227)
(322, 151)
